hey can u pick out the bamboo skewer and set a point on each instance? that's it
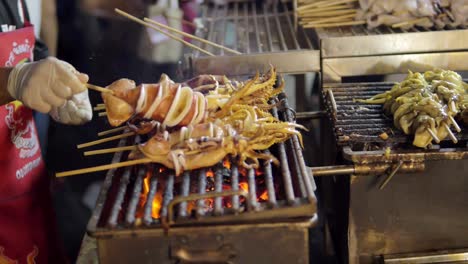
(329, 13)
(450, 134)
(331, 19)
(99, 108)
(324, 25)
(109, 150)
(318, 10)
(433, 135)
(191, 36)
(102, 114)
(103, 167)
(452, 120)
(99, 141)
(98, 88)
(133, 18)
(331, 3)
(100, 105)
(110, 131)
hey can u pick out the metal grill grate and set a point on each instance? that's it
(356, 122)
(209, 195)
(263, 34)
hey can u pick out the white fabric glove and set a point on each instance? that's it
(52, 86)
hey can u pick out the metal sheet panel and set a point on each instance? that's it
(337, 68)
(394, 42)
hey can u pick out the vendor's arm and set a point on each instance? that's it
(48, 86)
(5, 96)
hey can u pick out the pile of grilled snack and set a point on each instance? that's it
(197, 123)
(427, 105)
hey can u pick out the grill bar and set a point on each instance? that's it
(267, 25)
(124, 180)
(257, 30)
(184, 191)
(135, 198)
(201, 190)
(218, 210)
(280, 31)
(168, 194)
(235, 185)
(287, 180)
(147, 217)
(252, 187)
(247, 32)
(269, 183)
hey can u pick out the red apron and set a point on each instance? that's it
(27, 222)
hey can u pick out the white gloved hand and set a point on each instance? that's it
(76, 111)
(52, 86)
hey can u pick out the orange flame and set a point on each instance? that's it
(264, 196)
(244, 186)
(227, 164)
(157, 200)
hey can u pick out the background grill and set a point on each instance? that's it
(264, 34)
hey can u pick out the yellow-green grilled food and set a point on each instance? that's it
(426, 105)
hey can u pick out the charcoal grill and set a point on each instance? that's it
(264, 34)
(206, 216)
(413, 193)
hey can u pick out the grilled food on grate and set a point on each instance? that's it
(426, 105)
(180, 104)
(237, 123)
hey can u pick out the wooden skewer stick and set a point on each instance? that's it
(133, 18)
(329, 13)
(191, 36)
(318, 10)
(331, 3)
(452, 120)
(102, 114)
(99, 108)
(98, 88)
(110, 131)
(100, 105)
(99, 141)
(103, 167)
(312, 25)
(410, 22)
(331, 19)
(315, 4)
(109, 150)
(451, 135)
(433, 135)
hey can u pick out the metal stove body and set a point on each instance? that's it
(223, 214)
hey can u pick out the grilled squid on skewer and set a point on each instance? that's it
(177, 104)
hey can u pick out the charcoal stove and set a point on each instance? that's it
(402, 200)
(222, 214)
